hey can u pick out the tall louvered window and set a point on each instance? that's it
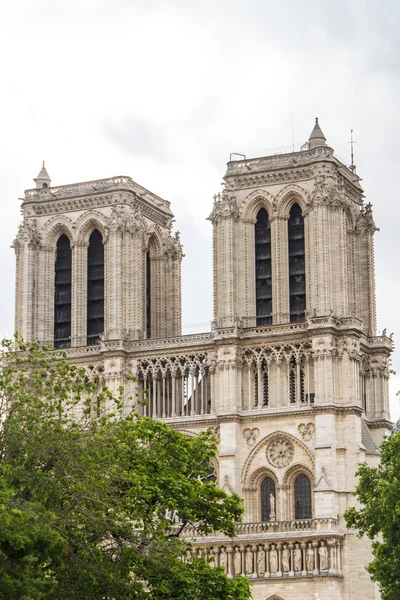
(148, 295)
(297, 267)
(302, 498)
(263, 269)
(268, 510)
(95, 288)
(62, 294)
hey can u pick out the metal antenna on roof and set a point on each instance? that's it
(352, 142)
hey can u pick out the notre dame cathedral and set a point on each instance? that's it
(293, 377)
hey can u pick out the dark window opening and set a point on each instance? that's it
(263, 269)
(148, 294)
(268, 509)
(45, 185)
(264, 384)
(297, 270)
(62, 293)
(95, 288)
(302, 498)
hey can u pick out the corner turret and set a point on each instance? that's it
(43, 179)
(316, 138)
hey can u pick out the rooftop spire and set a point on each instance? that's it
(43, 179)
(316, 138)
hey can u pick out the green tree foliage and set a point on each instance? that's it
(378, 492)
(91, 503)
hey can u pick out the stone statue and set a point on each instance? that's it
(237, 561)
(297, 558)
(223, 560)
(273, 559)
(249, 561)
(323, 557)
(285, 559)
(261, 561)
(272, 507)
(310, 558)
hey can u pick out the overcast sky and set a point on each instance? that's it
(164, 91)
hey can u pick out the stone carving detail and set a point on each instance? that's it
(251, 435)
(280, 453)
(306, 430)
(224, 206)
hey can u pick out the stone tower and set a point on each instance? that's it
(96, 260)
(293, 377)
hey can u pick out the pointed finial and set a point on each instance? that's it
(316, 138)
(43, 179)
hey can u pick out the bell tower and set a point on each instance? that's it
(293, 238)
(96, 261)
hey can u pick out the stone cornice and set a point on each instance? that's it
(285, 168)
(97, 194)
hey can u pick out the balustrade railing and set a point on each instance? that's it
(295, 558)
(273, 527)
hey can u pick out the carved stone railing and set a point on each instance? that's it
(279, 161)
(273, 527)
(295, 558)
(194, 339)
(273, 329)
(91, 187)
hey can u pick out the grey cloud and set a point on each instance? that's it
(138, 137)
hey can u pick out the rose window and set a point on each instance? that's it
(280, 453)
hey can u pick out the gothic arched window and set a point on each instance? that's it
(268, 512)
(62, 293)
(297, 266)
(302, 498)
(263, 268)
(95, 288)
(148, 294)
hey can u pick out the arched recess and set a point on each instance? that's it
(152, 283)
(306, 506)
(95, 288)
(54, 228)
(258, 454)
(87, 223)
(253, 495)
(254, 201)
(268, 499)
(263, 268)
(62, 292)
(302, 497)
(297, 264)
(289, 195)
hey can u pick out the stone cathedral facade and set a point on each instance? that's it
(293, 377)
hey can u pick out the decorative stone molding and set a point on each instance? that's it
(306, 431)
(251, 435)
(224, 207)
(280, 453)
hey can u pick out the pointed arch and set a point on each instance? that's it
(256, 200)
(289, 195)
(247, 476)
(297, 264)
(56, 227)
(263, 267)
(95, 288)
(87, 223)
(62, 292)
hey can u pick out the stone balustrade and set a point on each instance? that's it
(303, 557)
(271, 528)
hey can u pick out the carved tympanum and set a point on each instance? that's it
(280, 453)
